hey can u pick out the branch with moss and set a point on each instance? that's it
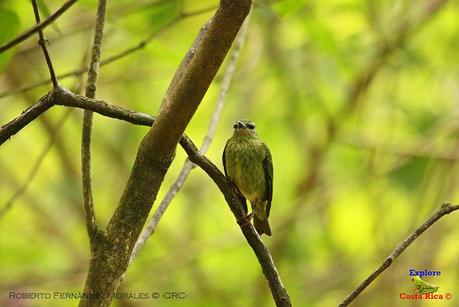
(444, 210)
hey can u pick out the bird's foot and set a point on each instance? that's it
(244, 221)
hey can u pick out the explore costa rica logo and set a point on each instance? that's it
(424, 290)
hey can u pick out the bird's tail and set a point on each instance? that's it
(261, 225)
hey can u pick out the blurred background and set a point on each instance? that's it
(357, 100)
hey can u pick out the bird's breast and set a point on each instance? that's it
(244, 167)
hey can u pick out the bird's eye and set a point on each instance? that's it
(251, 126)
(235, 126)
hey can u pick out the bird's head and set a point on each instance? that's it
(244, 127)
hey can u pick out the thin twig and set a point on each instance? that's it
(42, 42)
(38, 27)
(64, 97)
(444, 209)
(35, 110)
(188, 165)
(93, 71)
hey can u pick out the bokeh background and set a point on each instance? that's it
(357, 100)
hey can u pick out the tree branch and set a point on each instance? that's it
(38, 27)
(156, 152)
(64, 97)
(188, 165)
(234, 202)
(27, 116)
(91, 225)
(42, 42)
(444, 209)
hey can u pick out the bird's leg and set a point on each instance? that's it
(244, 221)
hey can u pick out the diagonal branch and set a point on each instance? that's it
(188, 165)
(38, 27)
(93, 70)
(64, 97)
(444, 209)
(42, 43)
(27, 116)
(262, 253)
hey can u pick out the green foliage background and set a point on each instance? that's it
(358, 101)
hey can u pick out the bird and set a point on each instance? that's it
(248, 164)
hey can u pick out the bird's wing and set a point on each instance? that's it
(224, 159)
(268, 169)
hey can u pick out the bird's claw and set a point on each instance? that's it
(244, 221)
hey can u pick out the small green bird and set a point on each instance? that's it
(248, 164)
